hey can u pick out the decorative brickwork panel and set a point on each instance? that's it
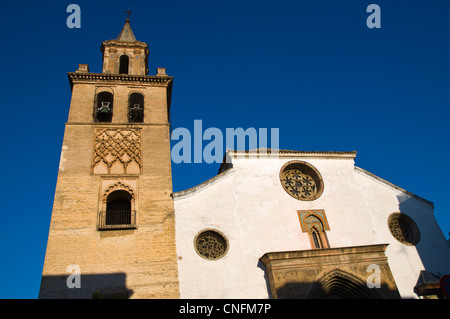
(117, 151)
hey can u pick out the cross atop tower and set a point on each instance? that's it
(128, 12)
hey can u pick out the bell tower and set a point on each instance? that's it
(125, 55)
(112, 232)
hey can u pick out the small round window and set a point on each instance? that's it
(404, 229)
(211, 244)
(301, 180)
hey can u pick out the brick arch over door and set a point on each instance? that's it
(338, 284)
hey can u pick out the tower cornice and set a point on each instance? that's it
(116, 43)
(119, 78)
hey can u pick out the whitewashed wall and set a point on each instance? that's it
(250, 207)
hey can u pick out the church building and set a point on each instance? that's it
(271, 224)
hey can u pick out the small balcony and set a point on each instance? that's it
(121, 219)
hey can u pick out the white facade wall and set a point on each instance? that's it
(248, 204)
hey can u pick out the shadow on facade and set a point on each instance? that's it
(92, 286)
(431, 245)
(337, 287)
(422, 232)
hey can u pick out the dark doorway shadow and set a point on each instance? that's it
(91, 286)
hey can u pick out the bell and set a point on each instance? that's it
(135, 113)
(104, 108)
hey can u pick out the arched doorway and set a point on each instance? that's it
(338, 284)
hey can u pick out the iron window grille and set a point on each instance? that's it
(120, 219)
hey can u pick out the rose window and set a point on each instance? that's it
(301, 180)
(211, 245)
(404, 229)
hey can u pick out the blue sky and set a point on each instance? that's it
(310, 68)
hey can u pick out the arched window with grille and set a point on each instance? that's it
(119, 213)
(136, 108)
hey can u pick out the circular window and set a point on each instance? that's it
(301, 180)
(404, 229)
(211, 244)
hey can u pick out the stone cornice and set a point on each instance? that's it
(119, 78)
(123, 44)
(331, 258)
(261, 152)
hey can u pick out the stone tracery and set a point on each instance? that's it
(301, 181)
(211, 245)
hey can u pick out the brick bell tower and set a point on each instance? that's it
(112, 230)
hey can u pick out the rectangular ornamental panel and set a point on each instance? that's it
(117, 151)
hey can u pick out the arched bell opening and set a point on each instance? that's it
(104, 107)
(136, 108)
(124, 64)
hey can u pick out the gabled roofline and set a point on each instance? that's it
(398, 188)
(200, 187)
